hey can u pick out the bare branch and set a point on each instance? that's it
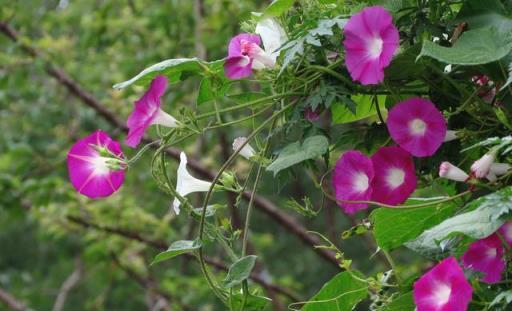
(11, 302)
(71, 281)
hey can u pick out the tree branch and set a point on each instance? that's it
(71, 281)
(287, 221)
(11, 302)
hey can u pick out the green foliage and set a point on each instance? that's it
(177, 248)
(342, 293)
(474, 47)
(408, 223)
(503, 299)
(278, 7)
(297, 152)
(239, 271)
(402, 303)
(486, 214)
(365, 109)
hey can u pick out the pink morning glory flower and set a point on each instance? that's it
(371, 39)
(395, 177)
(417, 126)
(486, 256)
(96, 165)
(352, 178)
(443, 288)
(147, 112)
(244, 55)
(452, 172)
(506, 232)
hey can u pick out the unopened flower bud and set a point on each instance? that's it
(452, 172)
(247, 151)
(482, 166)
(450, 135)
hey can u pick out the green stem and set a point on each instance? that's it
(392, 265)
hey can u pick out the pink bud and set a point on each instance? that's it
(452, 172)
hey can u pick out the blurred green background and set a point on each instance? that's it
(42, 251)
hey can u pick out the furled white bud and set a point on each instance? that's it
(452, 172)
(247, 151)
(482, 166)
(450, 135)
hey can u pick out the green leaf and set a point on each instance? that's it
(240, 271)
(402, 303)
(504, 299)
(341, 293)
(253, 303)
(172, 68)
(177, 248)
(278, 7)
(485, 216)
(210, 89)
(393, 227)
(365, 109)
(474, 47)
(482, 14)
(296, 152)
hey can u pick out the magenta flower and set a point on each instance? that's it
(96, 166)
(486, 256)
(351, 180)
(487, 89)
(443, 288)
(312, 115)
(371, 39)
(395, 177)
(244, 55)
(417, 126)
(506, 232)
(147, 112)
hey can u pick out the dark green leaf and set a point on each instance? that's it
(296, 152)
(503, 299)
(474, 47)
(177, 248)
(341, 293)
(240, 271)
(481, 14)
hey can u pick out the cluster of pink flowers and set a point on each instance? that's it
(419, 129)
(445, 287)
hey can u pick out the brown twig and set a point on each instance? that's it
(287, 221)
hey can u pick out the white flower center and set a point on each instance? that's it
(418, 127)
(100, 165)
(395, 177)
(491, 253)
(360, 182)
(442, 294)
(375, 47)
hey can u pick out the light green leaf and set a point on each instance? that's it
(239, 271)
(253, 303)
(278, 7)
(474, 47)
(402, 303)
(394, 227)
(486, 214)
(364, 109)
(210, 89)
(177, 248)
(341, 293)
(296, 152)
(504, 299)
(172, 68)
